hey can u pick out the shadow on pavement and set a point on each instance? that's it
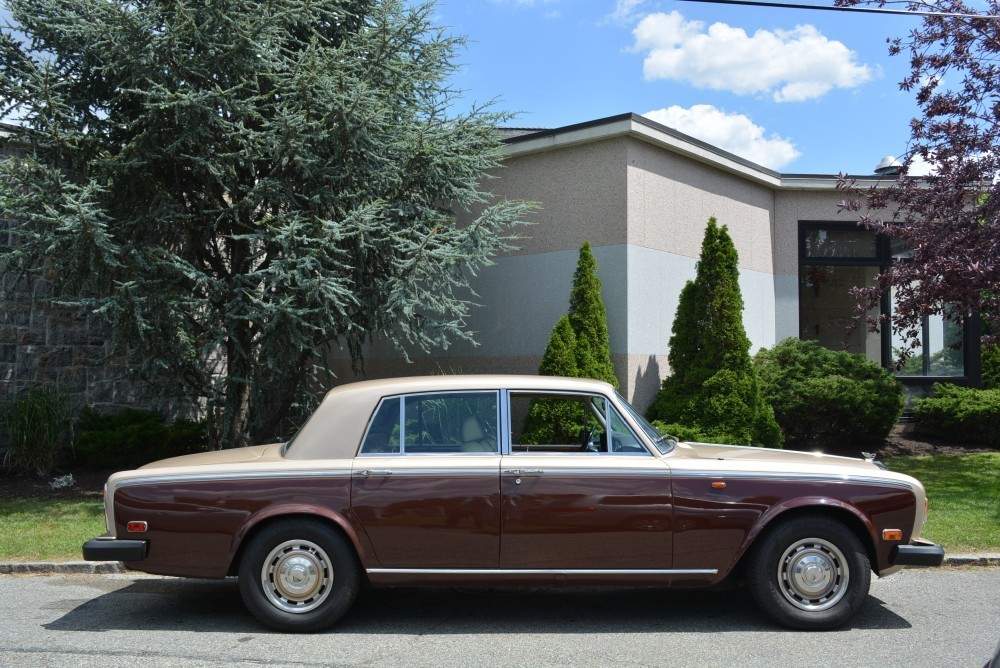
(215, 606)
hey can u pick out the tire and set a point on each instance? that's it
(810, 572)
(299, 576)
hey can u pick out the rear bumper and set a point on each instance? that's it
(920, 553)
(107, 548)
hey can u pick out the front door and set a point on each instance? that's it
(579, 490)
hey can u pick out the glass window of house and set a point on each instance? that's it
(842, 242)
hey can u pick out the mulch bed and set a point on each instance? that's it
(90, 483)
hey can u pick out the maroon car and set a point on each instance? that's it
(469, 480)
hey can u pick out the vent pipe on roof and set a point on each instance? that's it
(888, 166)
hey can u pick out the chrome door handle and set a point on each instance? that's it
(523, 471)
(512, 471)
(371, 472)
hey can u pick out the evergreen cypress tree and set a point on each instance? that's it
(549, 421)
(589, 319)
(713, 385)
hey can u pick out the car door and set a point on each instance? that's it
(425, 484)
(579, 489)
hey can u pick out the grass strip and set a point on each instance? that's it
(39, 529)
(964, 491)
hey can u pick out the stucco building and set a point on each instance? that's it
(641, 194)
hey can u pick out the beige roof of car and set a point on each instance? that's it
(336, 427)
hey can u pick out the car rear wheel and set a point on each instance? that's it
(298, 575)
(809, 572)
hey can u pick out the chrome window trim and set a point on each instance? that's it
(796, 477)
(410, 473)
(596, 471)
(543, 571)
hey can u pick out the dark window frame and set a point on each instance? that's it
(883, 260)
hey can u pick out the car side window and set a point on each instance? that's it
(443, 423)
(382, 436)
(551, 422)
(451, 422)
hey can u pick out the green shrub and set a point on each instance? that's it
(991, 367)
(589, 319)
(37, 423)
(960, 414)
(132, 438)
(692, 434)
(554, 421)
(823, 396)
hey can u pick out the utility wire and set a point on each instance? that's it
(830, 8)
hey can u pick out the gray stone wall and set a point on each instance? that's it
(46, 345)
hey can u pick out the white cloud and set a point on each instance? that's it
(625, 11)
(790, 65)
(735, 133)
(920, 167)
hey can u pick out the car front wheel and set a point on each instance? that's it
(298, 575)
(809, 572)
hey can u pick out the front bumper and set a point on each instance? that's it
(920, 553)
(108, 548)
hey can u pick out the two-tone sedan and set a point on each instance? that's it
(511, 480)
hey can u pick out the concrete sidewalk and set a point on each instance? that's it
(55, 567)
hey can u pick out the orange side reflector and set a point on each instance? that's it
(718, 484)
(892, 534)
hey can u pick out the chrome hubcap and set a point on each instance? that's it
(297, 576)
(813, 574)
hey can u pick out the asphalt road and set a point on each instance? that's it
(945, 617)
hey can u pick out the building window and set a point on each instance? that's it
(836, 256)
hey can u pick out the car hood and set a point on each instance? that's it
(768, 457)
(257, 453)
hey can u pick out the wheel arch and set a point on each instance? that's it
(274, 516)
(851, 517)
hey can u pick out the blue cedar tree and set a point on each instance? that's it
(235, 188)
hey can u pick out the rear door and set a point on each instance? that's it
(425, 485)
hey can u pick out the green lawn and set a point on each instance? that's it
(964, 492)
(38, 529)
(965, 498)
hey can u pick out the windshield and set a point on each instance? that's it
(663, 442)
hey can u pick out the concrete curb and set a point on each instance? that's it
(110, 567)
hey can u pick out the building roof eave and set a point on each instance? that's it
(651, 132)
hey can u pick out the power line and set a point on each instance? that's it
(830, 8)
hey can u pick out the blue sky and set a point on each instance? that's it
(796, 90)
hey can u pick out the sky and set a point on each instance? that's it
(794, 90)
(798, 91)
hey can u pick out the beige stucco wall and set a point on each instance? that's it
(792, 206)
(671, 198)
(581, 191)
